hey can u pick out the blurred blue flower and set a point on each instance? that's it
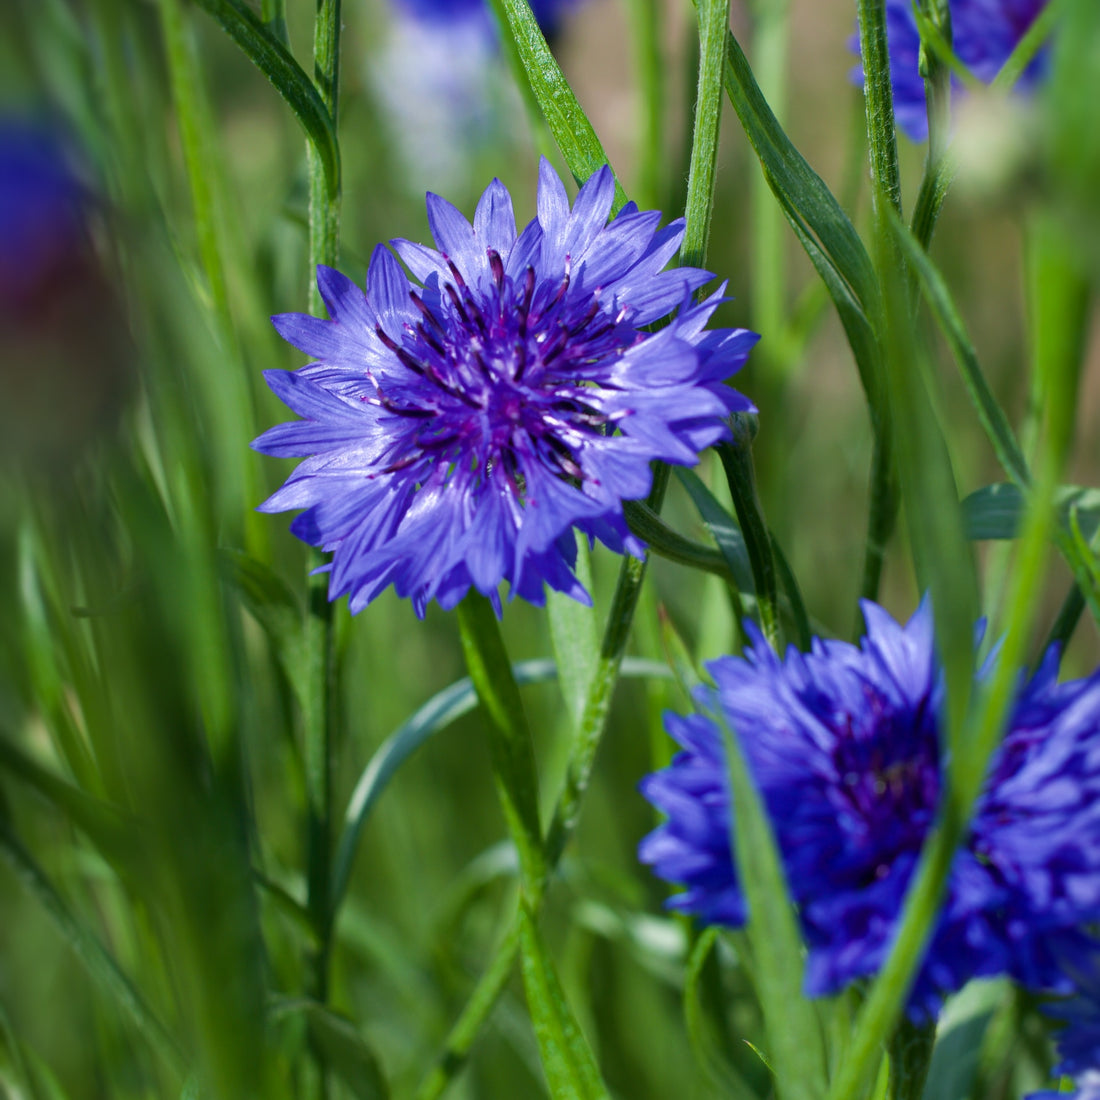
(547, 12)
(458, 427)
(844, 744)
(984, 33)
(41, 211)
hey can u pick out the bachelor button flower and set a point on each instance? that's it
(983, 35)
(844, 745)
(457, 428)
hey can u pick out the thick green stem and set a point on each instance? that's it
(879, 102)
(886, 188)
(714, 22)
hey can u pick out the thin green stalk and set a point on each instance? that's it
(509, 737)
(1028, 46)
(886, 187)
(882, 1010)
(582, 756)
(879, 102)
(319, 712)
(938, 170)
(714, 21)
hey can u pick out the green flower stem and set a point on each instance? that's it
(886, 187)
(509, 737)
(879, 102)
(939, 171)
(566, 811)
(319, 712)
(714, 21)
(737, 462)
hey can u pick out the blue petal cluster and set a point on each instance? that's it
(547, 12)
(41, 212)
(844, 744)
(984, 33)
(458, 427)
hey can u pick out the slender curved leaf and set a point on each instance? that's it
(805, 199)
(997, 511)
(795, 1041)
(990, 414)
(275, 61)
(722, 526)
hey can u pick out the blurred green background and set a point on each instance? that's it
(134, 675)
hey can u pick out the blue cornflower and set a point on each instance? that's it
(457, 428)
(41, 213)
(547, 12)
(983, 35)
(845, 745)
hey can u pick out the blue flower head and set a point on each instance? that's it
(458, 426)
(41, 213)
(844, 743)
(547, 12)
(984, 33)
(1079, 1042)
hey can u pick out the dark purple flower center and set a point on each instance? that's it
(512, 370)
(888, 766)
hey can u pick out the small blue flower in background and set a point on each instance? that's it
(459, 427)
(844, 745)
(984, 33)
(41, 211)
(547, 12)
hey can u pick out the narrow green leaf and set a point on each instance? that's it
(794, 1038)
(997, 511)
(275, 61)
(722, 526)
(341, 1046)
(990, 414)
(805, 199)
(959, 1035)
(567, 1060)
(568, 123)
